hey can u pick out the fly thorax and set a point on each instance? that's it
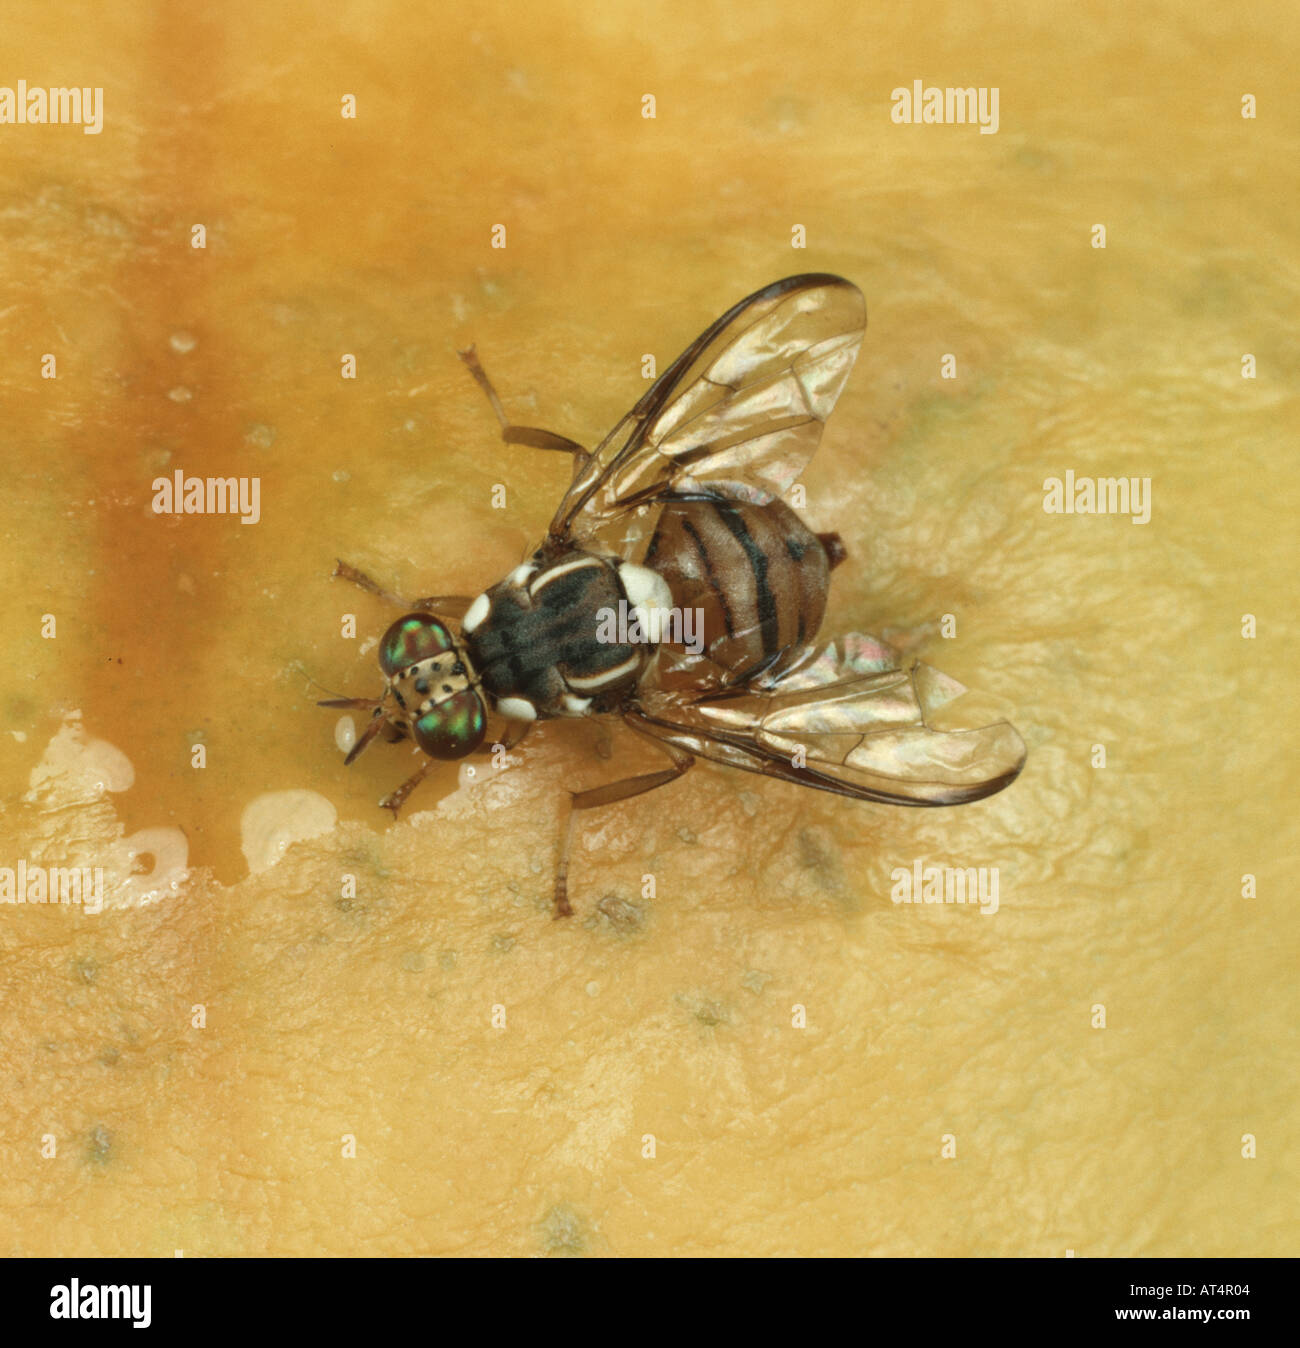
(554, 638)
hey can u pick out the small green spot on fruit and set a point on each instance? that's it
(563, 1232)
(99, 1145)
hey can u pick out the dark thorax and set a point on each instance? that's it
(535, 638)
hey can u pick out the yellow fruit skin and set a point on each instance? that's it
(767, 1056)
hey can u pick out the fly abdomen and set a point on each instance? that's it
(755, 573)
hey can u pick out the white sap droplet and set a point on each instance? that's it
(179, 394)
(85, 761)
(345, 734)
(182, 342)
(170, 850)
(275, 819)
(479, 787)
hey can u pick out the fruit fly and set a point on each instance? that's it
(679, 511)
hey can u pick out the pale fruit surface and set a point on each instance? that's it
(768, 1056)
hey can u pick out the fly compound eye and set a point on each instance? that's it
(410, 640)
(453, 727)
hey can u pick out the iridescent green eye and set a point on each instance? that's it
(452, 728)
(410, 640)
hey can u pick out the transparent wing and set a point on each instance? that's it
(845, 719)
(744, 404)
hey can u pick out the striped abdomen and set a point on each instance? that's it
(756, 573)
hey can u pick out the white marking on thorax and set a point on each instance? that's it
(644, 588)
(651, 599)
(519, 576)
(591, 683)
(475, 614)
(576, 706)
(563, 569)
(516, 709)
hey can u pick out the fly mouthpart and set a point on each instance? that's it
(375, 725)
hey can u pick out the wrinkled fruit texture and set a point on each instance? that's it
(641, 1078)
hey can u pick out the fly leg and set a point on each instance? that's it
(607, 795)
(515, 731)
(521, 435)
(394, 800)
(449, 605)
